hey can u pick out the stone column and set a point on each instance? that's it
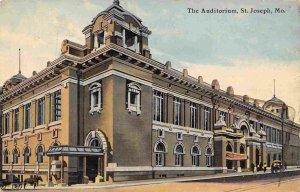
(135, 43)
(11, 121)
(49, 177)
(104, 167)
(33, 113)
(99, 177)
(170, 109)
(124, 37)
(237, 150)
(47, 109)
(21, 118)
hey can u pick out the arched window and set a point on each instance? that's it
(15, 156)
(40, 154)
(179, 152)
(208, 156)
(134, 98)
(5, 157)
(26, 155)
(228, 148)
(244, 130)
(195, 152)
(160, 152)
(242, 149)
(95, 143)
(96, 102)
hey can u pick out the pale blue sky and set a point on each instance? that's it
(242, 50)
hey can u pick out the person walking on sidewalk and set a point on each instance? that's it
(265, 167)
(272, 168)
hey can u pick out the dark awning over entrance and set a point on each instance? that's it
(65, 150)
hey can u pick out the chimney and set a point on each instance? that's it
(185, 73)
(34, 73)
(200, 79)
(168, 65)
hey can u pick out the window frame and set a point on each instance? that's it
(179, 155)
(57, 105)
(16, 114)
(193, 116)
(160, 155)
(158, 106)
(195, 156)
(95, 88)
(41, 111)
(40, 154)
(207, 119)
(7, 123)
(134, 89)
(177, 111)
(27, 116)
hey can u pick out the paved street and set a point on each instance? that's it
(291, 184)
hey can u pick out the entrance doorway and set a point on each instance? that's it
(257, 157)
(92, 167)
(243, 162)
(229, 163)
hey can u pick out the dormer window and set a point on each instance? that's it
(134, 98)
(95, 92)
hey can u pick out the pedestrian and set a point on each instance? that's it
(265, 167)
(272, 168)
(285, 166)
(252, 167)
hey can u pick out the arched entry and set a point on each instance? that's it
(257, 156)
(229, 163)
(95, 165)
(243, 151)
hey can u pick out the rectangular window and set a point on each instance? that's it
(6, 126)
(1, 121)
(208, 161)
(57, 105)
(194, 115)
(207, 125)
(16, 120)
(41, 111)
(27, 115)
(223, 115)
(177, 110)
(158, 103)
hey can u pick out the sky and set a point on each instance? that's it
(245, 51)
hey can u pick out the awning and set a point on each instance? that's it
(65, 150)
(235, 156)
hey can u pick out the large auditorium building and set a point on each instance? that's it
(106, 111)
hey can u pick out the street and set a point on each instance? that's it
(291, 184)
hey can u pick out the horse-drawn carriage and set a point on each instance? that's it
(11, 180)
(17, 184)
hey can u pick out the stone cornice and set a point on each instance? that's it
(113, 50)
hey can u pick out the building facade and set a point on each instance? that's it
(105, 111)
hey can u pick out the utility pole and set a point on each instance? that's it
(283, 116)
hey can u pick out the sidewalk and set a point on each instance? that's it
(207, 178)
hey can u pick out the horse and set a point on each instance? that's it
(32, 181)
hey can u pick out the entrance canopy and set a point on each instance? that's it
(235, 156)
(65, 150)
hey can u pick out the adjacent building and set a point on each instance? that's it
(106, 111)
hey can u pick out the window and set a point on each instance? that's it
(40, 154)
(15, 156)
(179, 152)
(57, 105)
(5, 157)
(193, 115)
(160, 133)
(179, 136)
(16, 120)
(96, 98)
(160, 152)
(41, 111)
(134, 98)
(26, 155)
(6, 126)
(208, 156)
(95, 143)
(195, 152)
(158, 103)
(177, 110)
(27, 115)
(207, 125)
(196, 138)
(223, 116)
